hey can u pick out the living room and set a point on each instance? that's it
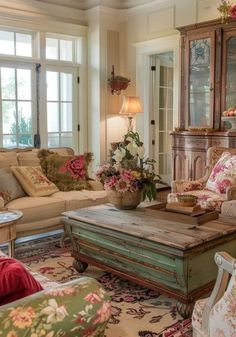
(58, 63)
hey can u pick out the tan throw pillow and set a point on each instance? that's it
(67, 172)
(34, 181)
(10, 188)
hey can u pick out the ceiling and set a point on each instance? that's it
(87, 4)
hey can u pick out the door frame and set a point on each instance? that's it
(143, 52)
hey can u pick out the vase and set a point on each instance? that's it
(232, 121)
(126, 200)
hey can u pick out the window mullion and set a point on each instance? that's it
(16, 107)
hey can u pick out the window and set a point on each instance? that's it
(15, 44)
(59, 49)
(29, 85)
(60, 108)
(16, 107)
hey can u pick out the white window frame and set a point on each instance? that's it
(20, 65)
(35, 44)
(75, 106)
(39, 56)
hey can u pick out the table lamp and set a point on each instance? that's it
(130, 107)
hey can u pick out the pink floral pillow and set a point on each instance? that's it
(223, 174)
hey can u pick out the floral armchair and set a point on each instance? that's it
(208, 196)
(216, 315)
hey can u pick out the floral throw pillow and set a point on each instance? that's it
(67, 172)
(223, 174)
(33, 181)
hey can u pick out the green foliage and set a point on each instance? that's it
(23, 130)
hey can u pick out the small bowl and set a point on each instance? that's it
(187, 199)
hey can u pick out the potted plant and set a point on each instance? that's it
(130, 177)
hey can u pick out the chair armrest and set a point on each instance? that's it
(180, 186)
(74, 308)
(226, 265)
(95, 185)
(231, 193)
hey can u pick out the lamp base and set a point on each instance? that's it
(130, 123)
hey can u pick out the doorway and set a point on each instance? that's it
(161, 111)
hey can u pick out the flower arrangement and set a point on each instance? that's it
(129, 171)
(227, 10)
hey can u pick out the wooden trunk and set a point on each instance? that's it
(144, 246)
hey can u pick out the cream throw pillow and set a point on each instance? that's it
(33, 181)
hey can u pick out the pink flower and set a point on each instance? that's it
(127, 175)
(103, 313)
(110, 182)
(232, 12)
(93, 298)
(122, 185)
(222, 185)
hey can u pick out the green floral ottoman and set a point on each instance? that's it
(79, 308)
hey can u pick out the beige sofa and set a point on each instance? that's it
(43, 214)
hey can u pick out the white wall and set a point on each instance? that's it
(149, 25)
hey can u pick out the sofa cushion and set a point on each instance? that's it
(15, 281)
(34, 182)
(223, 174)
(29, 158)
(37, 208)
(8, 159)
(67, 172)
(10, 188)
(80, 199)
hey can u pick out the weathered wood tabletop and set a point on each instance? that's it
(154, 225)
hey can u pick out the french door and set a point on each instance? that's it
(17, 105)
(162, 112)
(62, 115)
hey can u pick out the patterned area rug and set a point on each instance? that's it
(137, 311)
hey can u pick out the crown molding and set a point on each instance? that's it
(88, 4)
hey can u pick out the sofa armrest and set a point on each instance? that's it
(77, 308)
(95, 185)
(231, 193)
(180, 186)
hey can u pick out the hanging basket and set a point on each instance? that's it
(118, 83)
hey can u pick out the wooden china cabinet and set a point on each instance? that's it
(208, 87)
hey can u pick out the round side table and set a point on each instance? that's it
(8, 219)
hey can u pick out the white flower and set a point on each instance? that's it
(117, 166)
(141, 152)
(119, 154)
(132, 148)
(54, 312)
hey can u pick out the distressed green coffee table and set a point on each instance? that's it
(144, 246)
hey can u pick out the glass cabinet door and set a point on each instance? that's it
(230, 94)
(200, 82)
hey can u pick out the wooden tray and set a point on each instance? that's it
(191, 220)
